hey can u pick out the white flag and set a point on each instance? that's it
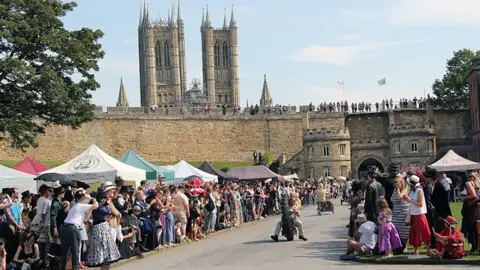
(382, 82)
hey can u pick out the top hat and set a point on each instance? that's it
(393, 168)
(430, 173)
(5, 190)
(58, 191)
(26, 194)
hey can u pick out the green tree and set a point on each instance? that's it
(451, 92)
(46, 71)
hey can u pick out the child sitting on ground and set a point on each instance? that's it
(178, 232)
(449, 241)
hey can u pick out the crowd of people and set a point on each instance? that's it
(65, 223)
(413, 208)
(362, 107)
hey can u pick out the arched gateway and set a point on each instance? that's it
(362, 168)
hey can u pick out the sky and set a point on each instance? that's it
(304, 47)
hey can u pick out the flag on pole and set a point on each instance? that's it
(382, 82)
(340, 82)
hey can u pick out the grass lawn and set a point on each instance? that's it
(219, 165)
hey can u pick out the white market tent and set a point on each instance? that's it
(291, 177)
(183, 170)
(94, 165)
(10, 178)
(451, 161)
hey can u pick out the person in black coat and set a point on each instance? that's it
(373, 191)
(436, 198)
(389, 183)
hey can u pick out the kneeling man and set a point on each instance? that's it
(295, 213)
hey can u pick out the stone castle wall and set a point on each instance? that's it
(225, 138)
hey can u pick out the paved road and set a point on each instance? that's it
(250, 247)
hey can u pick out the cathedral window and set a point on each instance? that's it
(226, 98)
(217, 54)
(166, 54)
(225, 54)
(343, 171)
(158, 54)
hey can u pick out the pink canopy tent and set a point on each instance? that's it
(31, 166)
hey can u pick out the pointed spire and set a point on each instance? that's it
(141, 16)
(225, 25)
(180, 15)
(122, 96)
(207, 19)
(266, 98)
(169, 21)
(233, 23)
(174, 17)
(147, 15)
(203, 17)
(144, 16)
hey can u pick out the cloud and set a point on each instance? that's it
(436, 12)
(349, 37)
(352, 14)
(342, 55)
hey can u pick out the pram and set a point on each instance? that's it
(326, 206)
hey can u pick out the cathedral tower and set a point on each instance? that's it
(220, 61)
(162, 59)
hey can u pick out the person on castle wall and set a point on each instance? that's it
(255, 156)
(373, 191)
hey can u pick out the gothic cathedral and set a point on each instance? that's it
(163, 76)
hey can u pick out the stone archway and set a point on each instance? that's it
(368, 161)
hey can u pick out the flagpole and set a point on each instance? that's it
(386, 93)
(343, 90)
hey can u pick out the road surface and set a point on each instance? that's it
(250, 247)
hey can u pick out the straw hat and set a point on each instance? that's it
(414, 179)
(361, 218)
(108, 186)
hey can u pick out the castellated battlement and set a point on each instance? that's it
(411, 129)
(326, 134)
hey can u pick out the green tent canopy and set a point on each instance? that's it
(152, 171)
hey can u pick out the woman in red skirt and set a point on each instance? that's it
(419, 230)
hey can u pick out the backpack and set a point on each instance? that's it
(146, 226)
(210, 206)
(454, 248)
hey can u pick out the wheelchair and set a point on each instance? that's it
(326, 206)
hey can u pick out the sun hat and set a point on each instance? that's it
(414, 179)
(450, 220)
(108, 186)
(361, 218)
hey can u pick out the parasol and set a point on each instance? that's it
(193, 181)
(197, 191)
